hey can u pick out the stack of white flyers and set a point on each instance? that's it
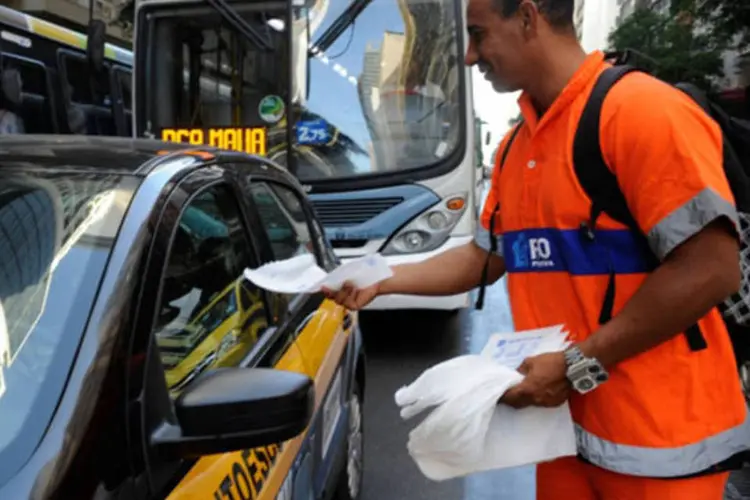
(301, 274)
(510, 349)
(467, 431)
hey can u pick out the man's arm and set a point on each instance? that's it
(455, 271)
(695, 277)
(452, 272)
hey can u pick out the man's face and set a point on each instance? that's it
(497, 46)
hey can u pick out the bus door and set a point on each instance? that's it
(203, 78)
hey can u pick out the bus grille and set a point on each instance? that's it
(342, 213)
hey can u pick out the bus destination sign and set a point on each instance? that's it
(242, 139)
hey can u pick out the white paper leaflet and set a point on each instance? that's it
(467, 431)
(301, 274)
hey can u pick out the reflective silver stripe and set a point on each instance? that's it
(482, 240)
(663, 462)
(689, 219)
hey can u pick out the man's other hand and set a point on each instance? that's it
(351, 297)
(545, 383)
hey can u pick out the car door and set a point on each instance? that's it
(206, 317)
(323, 331)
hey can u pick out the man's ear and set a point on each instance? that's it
(529, 15)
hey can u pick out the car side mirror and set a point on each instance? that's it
(233, 409)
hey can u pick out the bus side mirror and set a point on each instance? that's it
(487, 138)
(97, 37)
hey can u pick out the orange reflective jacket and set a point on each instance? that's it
(670, 411)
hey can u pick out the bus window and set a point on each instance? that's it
(88, 97)
(25, 98)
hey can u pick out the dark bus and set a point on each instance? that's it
(47, 87)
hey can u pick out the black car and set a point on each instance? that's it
(136, 361)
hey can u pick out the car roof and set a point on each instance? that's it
(124, 154)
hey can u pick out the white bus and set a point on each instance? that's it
(371, 96)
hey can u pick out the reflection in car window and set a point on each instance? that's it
(56, 234)
(210, 316)
(283, 220)
(385, 96)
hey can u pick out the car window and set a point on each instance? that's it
(57, 230)
(283, 220)
(209, 315)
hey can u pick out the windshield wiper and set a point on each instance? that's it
(431, 112)
(342, 22)
(231, 16)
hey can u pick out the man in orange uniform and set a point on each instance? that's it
(667, 415)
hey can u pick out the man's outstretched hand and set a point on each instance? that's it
(351, 297)
(545, 383)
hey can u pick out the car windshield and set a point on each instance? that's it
(385, 95)
(56, 234)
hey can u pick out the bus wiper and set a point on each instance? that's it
(337, 27)
(432, 111)
(231, 16)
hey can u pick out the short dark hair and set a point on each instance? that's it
(559, 13)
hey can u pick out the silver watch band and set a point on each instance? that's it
(573, 355)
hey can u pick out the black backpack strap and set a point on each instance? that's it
(602, 188)
(596, 179)
(493, 239)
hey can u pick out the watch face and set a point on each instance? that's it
(585, 385)
(587, 376)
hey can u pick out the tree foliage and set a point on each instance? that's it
(730, 18)
(676, 45)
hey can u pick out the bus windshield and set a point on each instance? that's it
(388, 87)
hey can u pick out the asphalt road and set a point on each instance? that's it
(400, 346)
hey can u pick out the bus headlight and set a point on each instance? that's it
(430, 229)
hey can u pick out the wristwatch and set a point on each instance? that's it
(585, 374)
